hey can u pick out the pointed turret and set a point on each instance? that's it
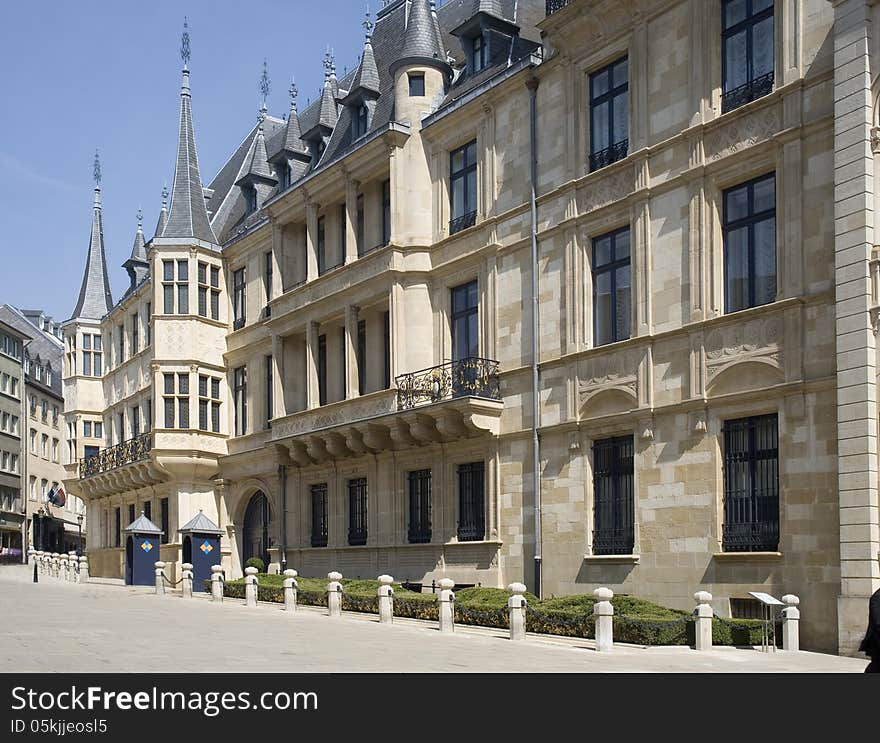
(367, 76)
(95, 299)
(188, 216)
(256, 164)
(319, 134)
(137, 266)
(421, 43)
(293, 136)
(163, 214)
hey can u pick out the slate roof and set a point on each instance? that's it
(367, 75)
(256, 163)
(421, 40)
(188, 216)
(201, 524)
(138, 249)
(142, 525)
(43, 345)
(95, 298)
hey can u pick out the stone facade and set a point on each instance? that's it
(339, 315)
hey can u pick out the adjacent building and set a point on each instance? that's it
(577, 293)
(12, 390)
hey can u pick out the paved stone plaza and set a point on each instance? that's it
(64, 627)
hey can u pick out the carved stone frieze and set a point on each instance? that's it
(610, 371)
(756, 340)
(742, 132)
(323, 418)
(607, 190)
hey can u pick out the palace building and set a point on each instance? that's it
(575, 292)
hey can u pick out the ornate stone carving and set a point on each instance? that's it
(344, 413)
(610, 371)
(756, 340)
(742, 132)
(607, 190)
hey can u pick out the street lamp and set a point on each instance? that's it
(41, 513)
(79, 521)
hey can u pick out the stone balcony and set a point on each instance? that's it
(441, 404)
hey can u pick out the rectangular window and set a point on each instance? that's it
(416, 84)
(386, 349)
(215, 293)
(148, 509)
(99, 430)
(357, 511)
(479, 53)
(131, 515)
(319, 515)
(44, 446)
(751, 484)
(321, 247)
(183, 287)
(148, 323)
(240, 394)
(343, 229)
(238, 298)
(268, 272)
(91, 355)
(148, 417)
(747, 51)
(464, 321)
(215, 405)
(750, 244)
(612, 300)
(54, 450)
(117, 528)
(471, 502)
(359, 225)
(361, 121)
(419, 486)
(204, 289)
(135, 422)
(609, 114)
(463, 187)
(176, 399)
(121, 357)
(386, 212)
(362, 356)
(209, 403)
(135, 334)
(322, 369)
(87, 429)
(120, 427)
(163, 520)
(270, 410)
(613, 531)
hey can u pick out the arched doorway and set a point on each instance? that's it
(255, 537)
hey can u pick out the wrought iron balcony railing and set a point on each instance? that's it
(755, 536)
(554, 6)
(470, 377)
(747, 93)
(238, 323)
(133, 450)
(463, 222)
(609, 155)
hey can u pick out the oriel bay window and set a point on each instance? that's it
(747, 51)
(176, 399)
(463, 187)
(612, 301)
(471, 502)
(178, 286)
(319, 514)
(613, 507)
(609, 114)
(419, 488)
(239, 387)
(209, 403)
(750, 244)
(238, 299)
(751, 484)
(92, 355)
(209, 291)
(357, 511)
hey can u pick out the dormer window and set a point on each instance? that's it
(360, 121)
(479, 54)
(250, 193)
(285, 176)
(416, 84)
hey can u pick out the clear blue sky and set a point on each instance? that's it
(106, 74)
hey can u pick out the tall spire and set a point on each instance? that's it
(367, 75)
(137, 266)
(188, 215)
(163, 215)
(95, 299)
(327, 114)
(264, 90)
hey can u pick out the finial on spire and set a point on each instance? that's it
(368, 24)
(328, 63)
(97, 170)
(294, 92)
(184, 44)
(264, 82)
(140, 218)
(164, 195)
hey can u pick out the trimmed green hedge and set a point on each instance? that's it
(636, 620)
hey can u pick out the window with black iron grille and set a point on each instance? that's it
(609, 114)
(463, 187)
(751, 485)
(319, 514)
(613, 532)
(322, 370)
(238, 299)
(612, 296)
(117, 528)
(750, 244)
(357, 511)
(471, 502)
(163, 520)
(419, 486)
(747, 51)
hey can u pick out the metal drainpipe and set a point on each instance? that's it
(532, 85)
(282, 473)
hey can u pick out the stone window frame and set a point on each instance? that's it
(740, 170)
(410, 462)
(714, 421)
(476, 270)
(446, 532)
(440, 166)
(640, 446)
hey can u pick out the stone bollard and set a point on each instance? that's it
(290, 586)
(386, 599)
(71, 566)
(44, 570)
(160, 578)
(516, 606)
(83, 569)
(334, 594)
(38, 561)
(62, 566)
(447, 605)
(791, 617)
(186, 580)
(56, 565)
(704, 613)
(604, 613)
(216, 583)
(250, 586)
